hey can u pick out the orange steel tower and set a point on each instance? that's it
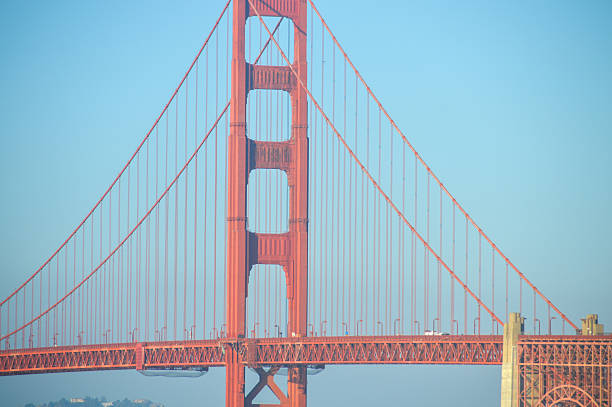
(244, 248)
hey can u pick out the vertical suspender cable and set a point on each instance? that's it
(215, 195)
(426, 260)
(195, 208)
(466, 279)
(165, 326)
(452, 284)
(119, 305)
(414, 248)
(156, 265)
(185, 215)
(205, 215)
(176, 194)
(507, 294)
(479, 277)
(493, 288)
(439, 296)
(147, 249)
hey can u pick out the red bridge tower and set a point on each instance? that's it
(244, 248)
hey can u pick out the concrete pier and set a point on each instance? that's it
(509, 388)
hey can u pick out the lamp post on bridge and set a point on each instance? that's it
(550, 324)
(455, 323)
(132, 335)
(536, 320)
(323, 328)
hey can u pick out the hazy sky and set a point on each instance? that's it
(509, 102)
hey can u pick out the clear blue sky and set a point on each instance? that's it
(509, 102)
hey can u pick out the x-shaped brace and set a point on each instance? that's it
(266, 379)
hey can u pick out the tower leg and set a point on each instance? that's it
(297, 387)
(234, 379)
(243, 248)
(236, 247)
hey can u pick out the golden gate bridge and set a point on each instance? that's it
(275, 216)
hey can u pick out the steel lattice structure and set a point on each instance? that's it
(471, 350)
(542, 351)
(553, 369)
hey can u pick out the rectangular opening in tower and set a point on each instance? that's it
(268, 201)
(267, 302)
(268, 115)
(260, 49)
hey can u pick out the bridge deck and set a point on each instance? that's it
(448, 349)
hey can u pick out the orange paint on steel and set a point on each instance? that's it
(240, 259)
(343, 350)
(567, 393)
(541, 351)
(422, 161)
(237, 245)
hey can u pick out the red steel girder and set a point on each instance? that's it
(570, 350)
(564, 368)
(159, 355)
(553, 351)
(473, 350)
(465, 350)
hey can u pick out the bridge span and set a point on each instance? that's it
(276, 217)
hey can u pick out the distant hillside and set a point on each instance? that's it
(94, 402)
